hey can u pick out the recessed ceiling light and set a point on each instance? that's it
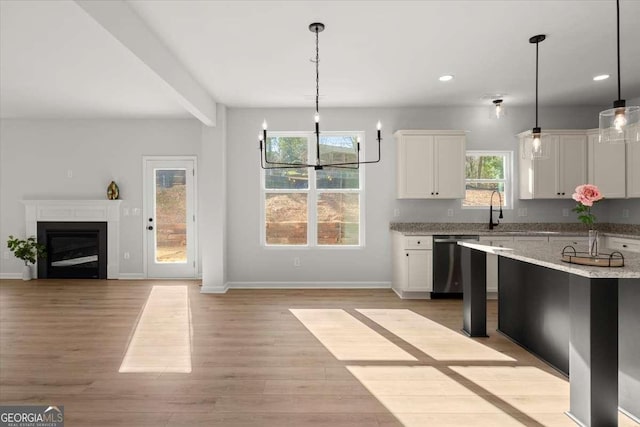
(446, 78)
(601, 77)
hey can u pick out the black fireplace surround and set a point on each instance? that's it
(75, 250)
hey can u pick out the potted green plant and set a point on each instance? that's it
(28, 250)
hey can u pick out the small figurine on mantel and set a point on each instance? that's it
(113, 192)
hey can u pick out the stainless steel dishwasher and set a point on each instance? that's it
(447, 268)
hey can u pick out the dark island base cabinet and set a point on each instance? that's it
(545, 310)
(534, 310)
(589, 327)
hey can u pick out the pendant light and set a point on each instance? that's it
(265, 163)
(539, 149)
(621, 123)
(497, 110)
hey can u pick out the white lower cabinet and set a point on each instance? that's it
(412, 264)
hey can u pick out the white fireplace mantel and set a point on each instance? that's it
(80, 211)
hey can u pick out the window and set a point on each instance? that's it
(485, 172)
(305, 207)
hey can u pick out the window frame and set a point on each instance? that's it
(312, 194)
(508, 177)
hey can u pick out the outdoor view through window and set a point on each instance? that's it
(308, 207)
(484, 173)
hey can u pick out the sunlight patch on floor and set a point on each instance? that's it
(432, 338)
(424, 396)
(347, 338)
(161, 341)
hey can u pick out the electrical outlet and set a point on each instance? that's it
(396, 212)
(69, 173)
(296, 262)
(565, 212)
(625, 213)
(127, 255)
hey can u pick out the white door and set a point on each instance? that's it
(170, 220)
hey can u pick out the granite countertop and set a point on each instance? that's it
(548, 255)
(513, 229)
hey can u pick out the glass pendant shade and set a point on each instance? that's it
(539, 145)
(497, 110)
(620, 124)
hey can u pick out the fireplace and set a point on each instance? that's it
(74, 250)
(79, 211)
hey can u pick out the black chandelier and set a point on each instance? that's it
(265, 163)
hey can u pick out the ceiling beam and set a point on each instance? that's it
(129, 29)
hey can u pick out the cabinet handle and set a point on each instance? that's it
(624, 246)
(418, 241)
(432, 193)
(557, 194)
(437, 193)
(563, 194)
(150, 227)
(407, 254)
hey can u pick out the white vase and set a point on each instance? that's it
(26, 272)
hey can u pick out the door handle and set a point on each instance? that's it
(150, 227)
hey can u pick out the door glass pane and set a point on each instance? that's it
(286, 150)
(338, 219)
(171, 216)
(286, 219)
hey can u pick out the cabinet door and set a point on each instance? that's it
(415, 160)
(545, 171)
(606, 167)
(449, 167)
(572, 165)
(419, 267)
(633, 169)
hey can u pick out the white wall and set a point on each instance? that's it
(250, 262)
(35, 156)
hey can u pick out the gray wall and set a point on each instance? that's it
(35, 156)
(372, 263)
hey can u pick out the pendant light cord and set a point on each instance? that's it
(618, 39)
(317, 72)
(537, 84)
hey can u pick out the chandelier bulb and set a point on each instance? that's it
(316, 117)
(379, 125)
(264, 124)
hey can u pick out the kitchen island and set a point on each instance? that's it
(582, 320)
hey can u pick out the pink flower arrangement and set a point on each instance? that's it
(586, 195)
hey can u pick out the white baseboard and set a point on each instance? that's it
(214, 289)
(10, 276)
(131, 276)
(308, 285)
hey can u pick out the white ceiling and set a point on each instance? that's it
(56, 61)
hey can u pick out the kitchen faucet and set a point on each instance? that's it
(491, 224)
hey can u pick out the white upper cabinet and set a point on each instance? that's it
(430, 164)
(633, 168)
(607, 167)
(556, 176)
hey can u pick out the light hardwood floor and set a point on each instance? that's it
(266, 358)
